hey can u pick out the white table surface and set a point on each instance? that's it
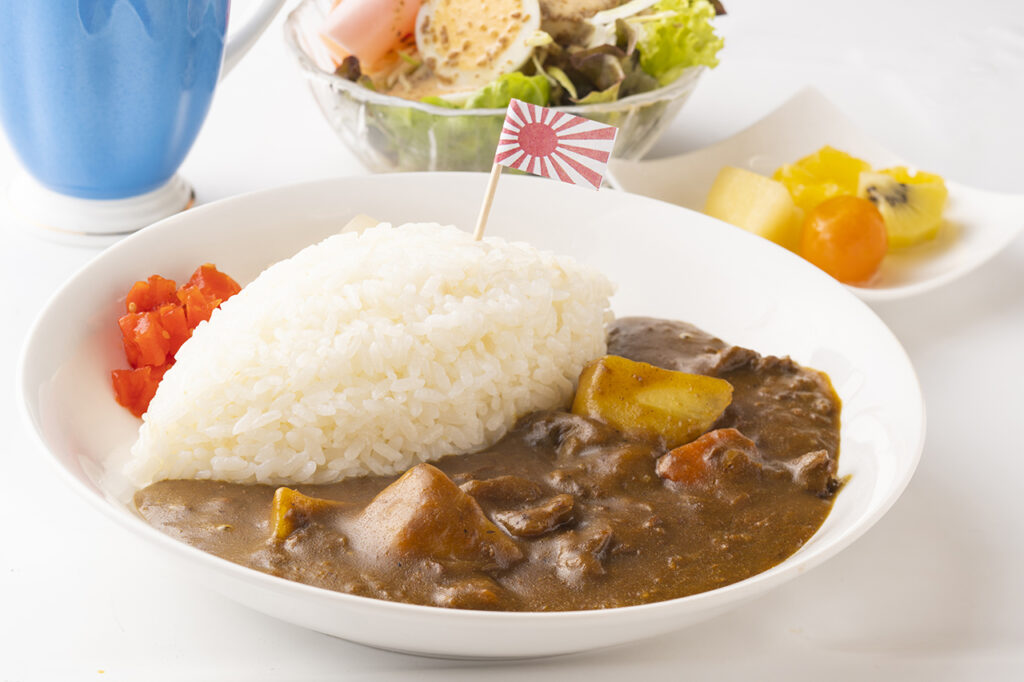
(933, 592)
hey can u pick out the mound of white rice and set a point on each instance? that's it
(368, 353)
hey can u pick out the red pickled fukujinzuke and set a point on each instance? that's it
(160, 317)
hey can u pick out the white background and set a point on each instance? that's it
(933, 592)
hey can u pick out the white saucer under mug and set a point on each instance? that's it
(91, 222)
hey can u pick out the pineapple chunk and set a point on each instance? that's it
(757, 204)
(649, 401)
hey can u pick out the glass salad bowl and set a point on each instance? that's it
(388, 133)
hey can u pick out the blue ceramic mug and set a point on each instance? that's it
(102, 99)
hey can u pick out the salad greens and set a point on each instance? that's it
(683, 38)
(636, 47)
(498, 94)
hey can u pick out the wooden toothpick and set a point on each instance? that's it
(485, 209)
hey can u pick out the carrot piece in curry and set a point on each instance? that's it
(690, 464)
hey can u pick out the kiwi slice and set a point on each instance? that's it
(910, 203)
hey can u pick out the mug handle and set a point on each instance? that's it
(246, 35)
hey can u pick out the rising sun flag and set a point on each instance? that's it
(555, 144)
(551, 143)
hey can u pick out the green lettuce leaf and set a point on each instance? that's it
(610, 94)
(497, 94)
(563, 80)
(438, 102)
(601, 66)
(403, 138)
(682, 38)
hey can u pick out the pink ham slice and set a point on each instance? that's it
(369, 29)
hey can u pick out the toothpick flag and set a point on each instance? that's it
(555, 144)
(551, 143)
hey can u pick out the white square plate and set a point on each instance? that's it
(978, 224)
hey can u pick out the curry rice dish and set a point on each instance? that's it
(565, 512)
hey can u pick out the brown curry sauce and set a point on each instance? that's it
(564, 512)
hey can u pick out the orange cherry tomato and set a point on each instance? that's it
(845, 236)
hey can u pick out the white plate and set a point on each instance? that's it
(667, 262)
(978, 224)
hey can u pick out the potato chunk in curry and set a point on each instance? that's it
(425, 515)
(650, 402)
(292, 510)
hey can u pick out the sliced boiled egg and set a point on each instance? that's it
(469, 43)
